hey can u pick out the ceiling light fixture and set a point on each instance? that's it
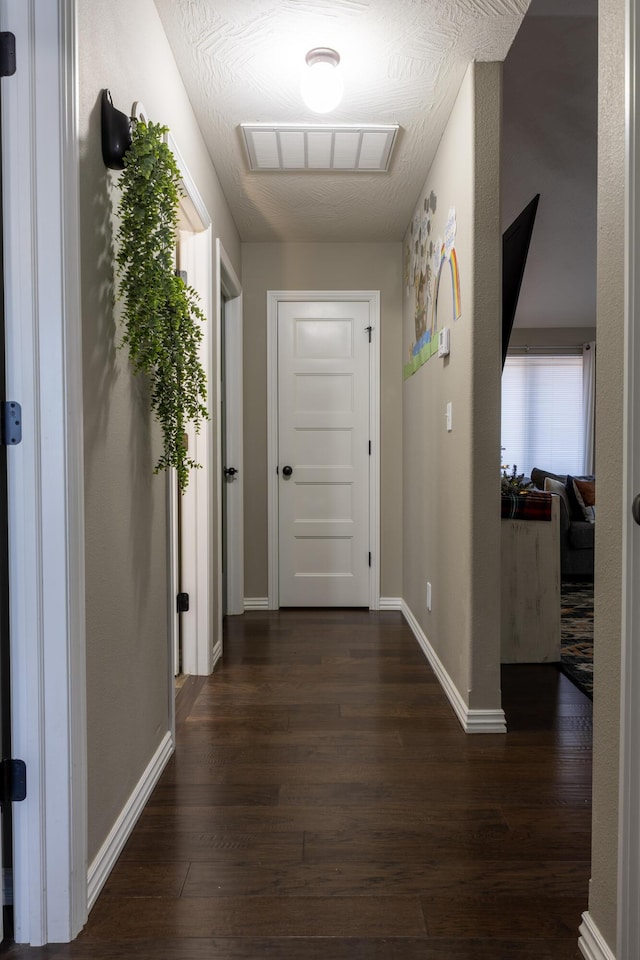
(321, 85)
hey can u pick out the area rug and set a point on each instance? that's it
(576, 628)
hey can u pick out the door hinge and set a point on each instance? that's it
(10, 423)
(7, 54)
(369, 558)
(369, 447)
(369, 331)
(13, 781)
(183, 603)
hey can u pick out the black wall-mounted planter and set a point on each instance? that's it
(116, 133)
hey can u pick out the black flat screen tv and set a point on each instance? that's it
(515, 247)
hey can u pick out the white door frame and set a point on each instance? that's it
(199, 640)
(274, 297)
(46, 472)
(628, 947)
(230, 291)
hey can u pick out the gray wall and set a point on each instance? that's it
(609, 467)
(549, 147)
(451, 480)
(123, 47)
(321, 266)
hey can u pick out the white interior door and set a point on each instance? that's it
(323, 453)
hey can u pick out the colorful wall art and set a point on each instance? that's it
(425, 261)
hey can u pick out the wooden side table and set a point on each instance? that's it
(530, 582)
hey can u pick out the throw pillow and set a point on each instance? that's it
(582, 493)
(556, 486)
(575, 510)
(587, 490)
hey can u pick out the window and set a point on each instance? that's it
(543, 414)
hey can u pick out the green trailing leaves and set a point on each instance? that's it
(161, 314)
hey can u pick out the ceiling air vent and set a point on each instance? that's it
(362, 148)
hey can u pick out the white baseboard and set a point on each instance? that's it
(256, 603)
(262, 603)
(217, 653)
(486, 721)
(111, 849)
(592, 944)
(390, 603)
(472, 721)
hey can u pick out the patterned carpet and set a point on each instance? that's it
(577, 634)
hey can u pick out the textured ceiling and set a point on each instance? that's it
(402, 62)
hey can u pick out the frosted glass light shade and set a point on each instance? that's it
(321, 84)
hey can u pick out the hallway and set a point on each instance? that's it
(324, 804)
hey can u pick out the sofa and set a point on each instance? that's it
(576, 532)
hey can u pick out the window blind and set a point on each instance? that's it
(542, 414)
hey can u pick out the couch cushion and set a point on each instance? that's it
(587, 490)
(581, 535)
(538, 477)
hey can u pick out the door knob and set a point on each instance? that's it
(230, 471)
(635, 508)
(287, 471)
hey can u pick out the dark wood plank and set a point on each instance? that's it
(255, 744)
(302, 948)
(142, 879)
(280, 819)
(183, 793)
(458, 880)
(187, 696)
(189, 846)
(256, 916)
(483, 841)
(562, 819)
(504, 916)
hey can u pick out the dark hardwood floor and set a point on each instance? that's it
(324, 804)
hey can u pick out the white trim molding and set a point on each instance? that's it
(256, 603)
(230, 313)
(120, 832)
(472, 721)
(390, 603)
(40, 164)
(217, 654)
(592, 944)
(273, 298)
(628, 933)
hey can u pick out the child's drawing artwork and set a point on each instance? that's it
(425, 260)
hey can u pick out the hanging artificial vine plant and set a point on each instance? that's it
(161, 315)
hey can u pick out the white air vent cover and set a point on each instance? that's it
(362, 148)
